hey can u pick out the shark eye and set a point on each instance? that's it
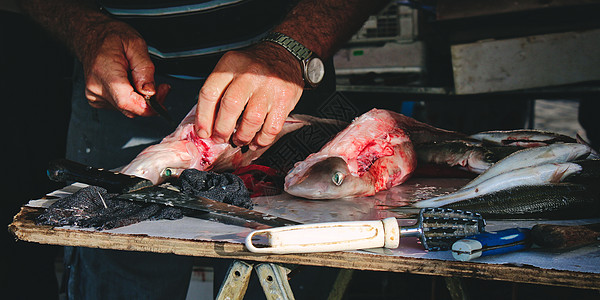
(337, 178)
(166, 173)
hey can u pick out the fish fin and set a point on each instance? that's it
(558, 175)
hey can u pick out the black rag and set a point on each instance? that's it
(94, 207)
(223, 187)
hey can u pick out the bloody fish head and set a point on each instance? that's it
(328, 179)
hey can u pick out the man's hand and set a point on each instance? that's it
(249, 95)
(119, 72)
(251, 92)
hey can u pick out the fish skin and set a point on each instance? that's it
(375, 152)
(534, 175)
(183, 149)
(554, 153)
(556, 201)
(522, 137)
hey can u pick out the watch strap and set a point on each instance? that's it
(298, 50)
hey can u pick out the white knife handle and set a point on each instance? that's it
(325, 237)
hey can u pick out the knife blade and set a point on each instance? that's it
(160, 110)
(133, 188)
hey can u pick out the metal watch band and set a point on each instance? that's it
(298, 50)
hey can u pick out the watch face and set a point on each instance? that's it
(315, 70)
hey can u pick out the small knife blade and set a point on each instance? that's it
(138, 189)
(160, 110)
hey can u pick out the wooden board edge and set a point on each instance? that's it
(24, 228)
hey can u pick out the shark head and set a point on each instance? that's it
(329, 178)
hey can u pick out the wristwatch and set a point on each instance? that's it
(313, 69)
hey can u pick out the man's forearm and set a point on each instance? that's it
(78, 24)
(324, 25)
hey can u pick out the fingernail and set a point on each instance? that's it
(236, 141)
(148, 87)
(202, 134)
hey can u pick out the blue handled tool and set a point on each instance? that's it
(491, 243)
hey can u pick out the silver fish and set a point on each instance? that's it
(555, 153)
(534, 175)
(522, 137)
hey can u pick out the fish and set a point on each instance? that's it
(533, 175)
(556, 201)
(183, 149)
(467, 155)
(533, 156)
(522, 137)
(375, 152)
(591, 174)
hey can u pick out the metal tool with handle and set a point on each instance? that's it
(437, 229)
(64, 170)
(515, 239)
(491, 243)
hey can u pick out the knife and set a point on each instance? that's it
(491, 243)
(559, 237)
(160, 110)
(133, 188)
